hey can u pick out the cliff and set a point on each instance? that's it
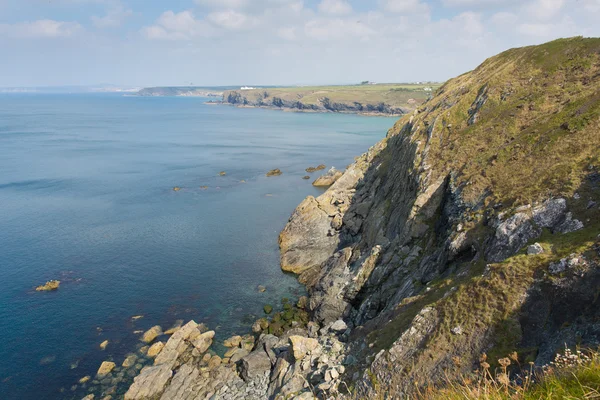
(393, 99)
(472, 228)
(421, 247)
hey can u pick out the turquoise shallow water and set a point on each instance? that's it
(86, 197)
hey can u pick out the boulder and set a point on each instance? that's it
(233, 341)
(177, 344)
(535, 249)
(150, 383)
(152, 334)
(214, 362)
(48, 286)
(236, 355)
(85, 379)
(274, 172)
(306, 177)
(103, 345)
(268, 309)
(254, 365)
(155, 349)
(203, 341)
(301, 346)
(105, 368)
(328, 179)
(339, 326)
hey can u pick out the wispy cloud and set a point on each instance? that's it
(44, 28)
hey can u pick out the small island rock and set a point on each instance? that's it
(48, 286)
(274, 172)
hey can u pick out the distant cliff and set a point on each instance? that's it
(392, 100)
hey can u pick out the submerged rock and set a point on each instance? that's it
(315, 169)
(222, 173)
(129, 361)
(103, 345)
(306, 177)
(176, 189)
(48, 286)
(274, 172)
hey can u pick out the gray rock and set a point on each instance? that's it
(339, 326)
(254, 365)
(569, 224)
(457, 330)
(558, 267)
(534, 249)
(150, 383)
(512, 234)
(591, 204)
(550, 213)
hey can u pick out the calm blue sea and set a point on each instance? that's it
(86, 197)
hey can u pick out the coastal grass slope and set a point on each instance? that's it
(390, 99)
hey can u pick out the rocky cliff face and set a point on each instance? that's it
(420, 246)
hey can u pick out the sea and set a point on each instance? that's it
(87, 197)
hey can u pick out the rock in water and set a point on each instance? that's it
(222, 173)
(233, 341)
(274, 172)
(103, 345)
(306, 177)
(105, 368)
(203, 342)
(155, 349)
(329, 178)
(129, 361)
(48, 286)
(152, 334)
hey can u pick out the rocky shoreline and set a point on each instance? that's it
(319, 110)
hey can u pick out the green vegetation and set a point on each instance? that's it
(359, 98)
(523, 125)
(573, 375)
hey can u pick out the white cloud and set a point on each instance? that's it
(231, 20)
(224, 4)
(335, 7)
(404, 6)
(113, 18)
(177, 26)
(504, 19)
(45, 28)
(336, 29)
(544, 9)
(476, 3)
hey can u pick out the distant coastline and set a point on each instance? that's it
(365, 99)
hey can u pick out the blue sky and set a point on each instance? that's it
(231, 42)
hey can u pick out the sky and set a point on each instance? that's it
(270, 42)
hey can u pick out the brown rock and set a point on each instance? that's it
(48, 286)
(155, 349)
(152, 334)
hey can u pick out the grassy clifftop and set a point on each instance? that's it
(394, 99)
(525, 123)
